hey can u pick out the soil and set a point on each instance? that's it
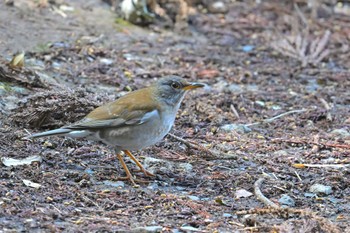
(274, 118)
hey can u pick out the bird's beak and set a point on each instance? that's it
(191, 86)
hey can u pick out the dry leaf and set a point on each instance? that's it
(17, 61)
(298, 165)
(31, 184)
(18, 162)
(243, 193)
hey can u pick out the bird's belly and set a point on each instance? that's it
(136, 137)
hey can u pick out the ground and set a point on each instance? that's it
(263, 148)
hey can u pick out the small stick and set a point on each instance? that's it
(276, 117)
(328, 108)
(286, 212)
(233, 109)
(214, 154)
(304, 165)
(297, 174)
(260, 196)
(296, 141)
(316, 145)
(301, 14)
(189, 144)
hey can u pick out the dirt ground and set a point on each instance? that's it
(264, 148)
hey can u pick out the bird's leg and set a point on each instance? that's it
(128, 173)
(147, 173)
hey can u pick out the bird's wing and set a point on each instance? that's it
(132, 109)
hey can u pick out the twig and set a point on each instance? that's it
(276, 117)
(301, 15)
(328, 108)
(233, 109)
(316, 146)
(286, 212)
(297, 174)
(260, 196)
(304, 165)
(214, 154)
(299, 141)
(278, 211)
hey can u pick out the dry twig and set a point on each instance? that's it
(301, 47)
(260, 196)
(286, 212)
(215, 155)
(276, 117)
(303, 141)
(336, 166)
(328, 108)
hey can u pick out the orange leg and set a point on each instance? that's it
(147, 173)
(128, 173)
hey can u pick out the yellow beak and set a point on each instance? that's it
(193, 86)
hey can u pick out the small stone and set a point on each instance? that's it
(235, 88)
(193, 198)
(223, 86)
(189, 229)
(89, 171)
(226, 215)
(342, 133)
(275, 107)
(106, 61)
(280, 153)
(160, 165)
(260, 103)
(153, 186)
(147, 229)
(310, 195)
(242, 193)
(217, 8)
(321, 189)
(286, 200)
(114, 184)
(239, 128)
(248, 48)
(176, 231)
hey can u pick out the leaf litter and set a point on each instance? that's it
(76, 175)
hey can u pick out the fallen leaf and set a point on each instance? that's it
(31, 184)
(17, 61)
(243, 193)
(298, 165)
(18, 162)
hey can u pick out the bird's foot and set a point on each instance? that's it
(144, 171)
(132, 180)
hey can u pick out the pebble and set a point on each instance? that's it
(155, 165)
(281, 153)
(248, 48)
(342, 133)
(217, 7)
(242, 193)
(193, 198)
(239, 128)
(106, 61)
(321, 189)
(189, 229)
(147, 229)
(286, 200)
(114, 184)
(235, 88)
(226, 215)
(310, 195)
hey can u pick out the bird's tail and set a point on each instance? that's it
(60, 131)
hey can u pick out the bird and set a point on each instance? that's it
(134, 121)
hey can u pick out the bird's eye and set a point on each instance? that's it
(175, 85)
